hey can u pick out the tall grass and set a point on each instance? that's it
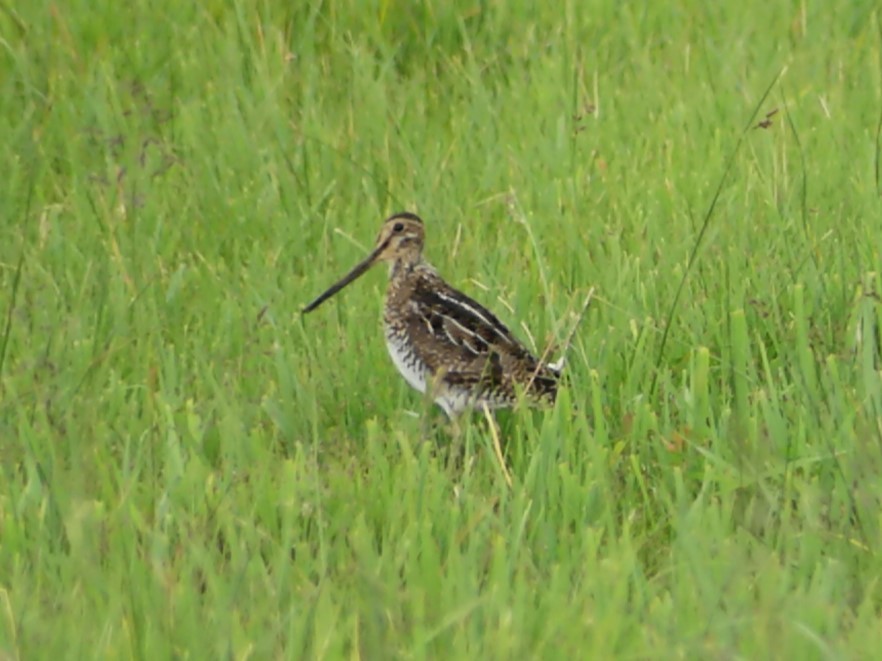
(190, 468)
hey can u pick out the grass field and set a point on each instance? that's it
(191, 469)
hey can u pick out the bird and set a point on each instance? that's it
(444, 343)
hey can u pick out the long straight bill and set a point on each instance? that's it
(354, 274)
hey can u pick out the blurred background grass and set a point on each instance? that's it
(190, 468)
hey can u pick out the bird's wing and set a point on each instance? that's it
(458, 336)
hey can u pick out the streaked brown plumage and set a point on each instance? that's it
(440, 339)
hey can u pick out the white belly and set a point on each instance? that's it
(413, 371)
(418, 377)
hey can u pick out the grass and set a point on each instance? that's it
(191, 469)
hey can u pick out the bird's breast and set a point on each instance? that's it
(414, 370)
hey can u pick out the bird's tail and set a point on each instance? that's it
(558, 365)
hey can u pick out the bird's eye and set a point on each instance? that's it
(398, 227)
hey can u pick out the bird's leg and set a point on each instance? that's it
(426, 419)
(455, 449)
(429, 399)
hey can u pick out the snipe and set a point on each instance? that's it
(440, 339)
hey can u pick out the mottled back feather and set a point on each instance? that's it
(461, 341)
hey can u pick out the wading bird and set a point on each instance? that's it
(443, 342)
